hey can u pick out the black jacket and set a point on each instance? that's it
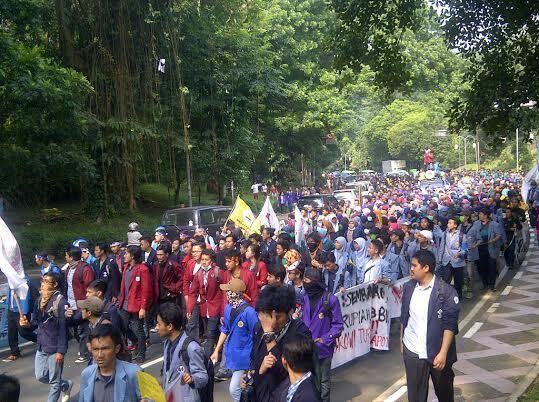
(110, 273)
(306, 392)
(265, 385)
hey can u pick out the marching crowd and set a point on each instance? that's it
(264, 308)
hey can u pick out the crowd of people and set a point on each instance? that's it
(264, 308)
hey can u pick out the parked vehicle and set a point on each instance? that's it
(398, 173)
(211, 218)
(318, 202)
(348, 194)
(365, 186)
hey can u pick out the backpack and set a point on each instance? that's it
(80, 271)
(327, 308)
(53, 311)
(205, 393)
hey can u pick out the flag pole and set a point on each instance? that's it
(232, 210)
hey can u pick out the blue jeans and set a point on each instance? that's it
(234, 388)
(50, 372)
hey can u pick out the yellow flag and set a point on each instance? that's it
(149, 387)
(244, 218)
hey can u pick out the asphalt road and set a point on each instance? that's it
(363, 379)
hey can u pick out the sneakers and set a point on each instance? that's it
(10, 358)
(67, 391)
(81, 359)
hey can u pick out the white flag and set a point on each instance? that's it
(299, 226)
(161, 66)
(11, 261)
(267, 216)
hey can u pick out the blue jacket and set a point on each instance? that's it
(454, 253)
(471, 233)
(392, 268)
(240, 337)
(404, 264)
(443, 313)
(51, 325)
(125, 383)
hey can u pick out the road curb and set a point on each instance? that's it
(524, 383)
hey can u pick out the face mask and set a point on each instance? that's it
(234, 299)
(311, 288)
(312, 246)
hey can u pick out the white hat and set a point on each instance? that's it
(427, 234)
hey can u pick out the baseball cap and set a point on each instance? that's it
(235, 285)
(93, 304)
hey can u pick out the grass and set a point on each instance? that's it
(56, 227)
(532, 393)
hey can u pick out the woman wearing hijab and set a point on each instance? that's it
(341, 253)
(358, 258)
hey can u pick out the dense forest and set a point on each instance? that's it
(97, 97)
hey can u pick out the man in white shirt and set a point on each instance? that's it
(429, 315)
(255, 190)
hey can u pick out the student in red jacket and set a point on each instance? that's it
(135, 296)
(167, 279)
(190, 271)
(255, 265)
(79, 275)
(205, 289)
(235, 270)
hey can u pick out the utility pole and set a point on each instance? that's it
(477, 154)
(518, 164)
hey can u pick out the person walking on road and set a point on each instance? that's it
(489, 243)
(108, 379)
(429, 316)
(49, 319)
(452, 255)
(322, 315)
(135, 297)
(14, 321)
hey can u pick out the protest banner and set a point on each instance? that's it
(366, 322)
(394, 300)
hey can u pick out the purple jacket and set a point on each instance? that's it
(327, 327)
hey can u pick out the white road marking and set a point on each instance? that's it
(507, 290)
(20, 346)
(152, 362)
(473, 330)
(396, 395)
(493, 308)
(519, 275)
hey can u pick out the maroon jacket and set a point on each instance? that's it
(83, 276)
(210, 295)
(140, 289)
(170, 276)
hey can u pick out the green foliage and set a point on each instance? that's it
(41, 124)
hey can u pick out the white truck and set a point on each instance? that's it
(392, 165)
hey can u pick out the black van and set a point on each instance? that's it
(211, 218)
